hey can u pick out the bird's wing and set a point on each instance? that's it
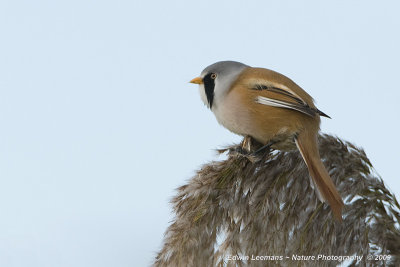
(283, 97)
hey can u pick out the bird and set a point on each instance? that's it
(272, 109)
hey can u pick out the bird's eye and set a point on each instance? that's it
(213, 76)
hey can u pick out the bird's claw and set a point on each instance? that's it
(240, 151)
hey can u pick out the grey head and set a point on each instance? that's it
(217, 80)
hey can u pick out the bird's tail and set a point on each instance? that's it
(307, 144)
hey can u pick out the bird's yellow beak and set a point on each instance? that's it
(197, 80)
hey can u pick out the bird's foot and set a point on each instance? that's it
(239, 151)
(249, 148)
(262, 149)
(245, 148)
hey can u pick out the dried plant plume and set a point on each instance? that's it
(238, 207)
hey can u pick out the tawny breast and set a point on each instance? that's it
(240, 113)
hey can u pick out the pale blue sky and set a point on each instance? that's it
(98, 124)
